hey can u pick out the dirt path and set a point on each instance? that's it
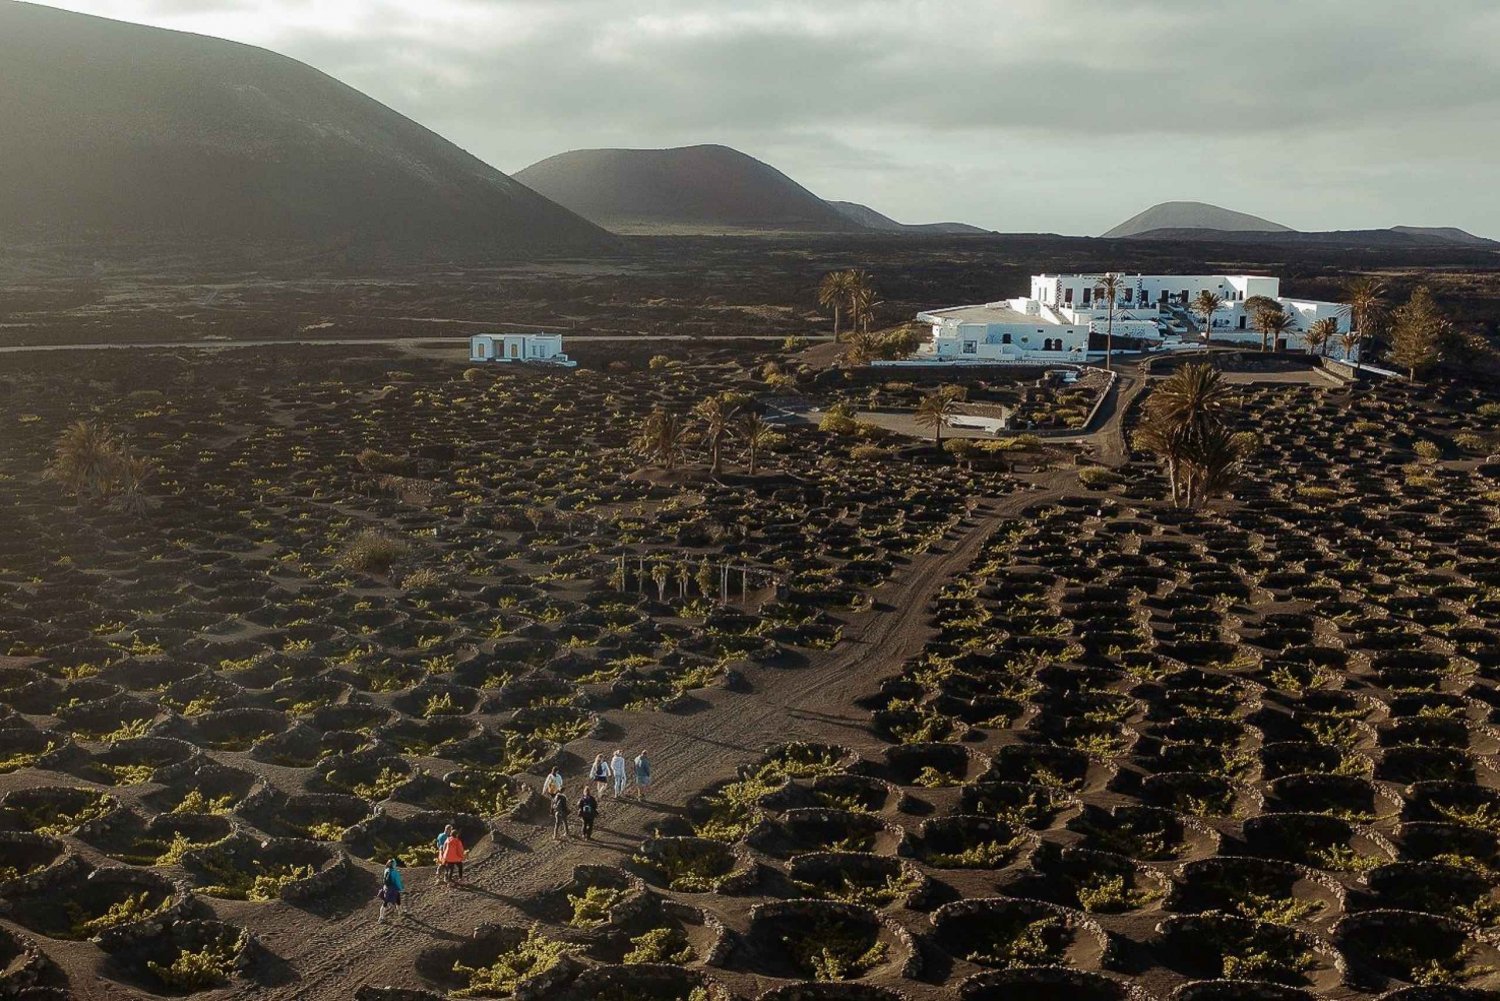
(689, 750)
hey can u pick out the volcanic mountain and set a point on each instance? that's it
(119, 133)
(1193, 215)
(689, 189)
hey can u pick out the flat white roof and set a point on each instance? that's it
(994, 312)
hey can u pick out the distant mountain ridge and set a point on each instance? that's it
(119, 132)
(1203, 222)
(1394, 238)
(704, 189)
(870, 219)
(1193, 215)
(1451, 234)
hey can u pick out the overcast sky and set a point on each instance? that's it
(1021, 115)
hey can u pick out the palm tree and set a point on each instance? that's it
(1349, 341)
(757, 436)
(936, 407)
(1272, 325)
(1179, 414)
(1206, 305)
(862, 304)
(1168, 442)
(1109, 286)
(1212, 459)
(834, 293)
(1364, 303)
(1192, 397)
(716, 414)
(661, 438)
(1320, 333)
(84, 458)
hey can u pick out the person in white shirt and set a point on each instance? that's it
(617, 769)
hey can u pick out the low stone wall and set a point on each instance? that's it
(835, 991)
(762, 916)
(641, 980)
(368, 993)
(723, 944)
(63, 866)
(975, 909)
(1240, 990)
(1047, 983)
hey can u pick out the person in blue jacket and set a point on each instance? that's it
(391, 888)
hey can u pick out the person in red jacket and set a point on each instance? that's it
(451, 857)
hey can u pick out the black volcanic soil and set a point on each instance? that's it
(655, 285)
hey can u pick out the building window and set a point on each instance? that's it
(1068, 296)
(971, 347)
(1005, 338)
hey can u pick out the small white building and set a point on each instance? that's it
(539, 349)
(1055, 321)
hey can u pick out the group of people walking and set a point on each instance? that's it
(614, 772)
(449, 854)
(605, 774)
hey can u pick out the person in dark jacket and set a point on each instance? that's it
(560, 829)
(588, 810)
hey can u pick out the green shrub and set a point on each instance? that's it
(1020, 942)
(373, 551)
(1105, 893)
(839, 419)
(834, 950)
(661, 945)
(592, 909)
(1095, 477)
(126, 911)
(533, 956)
(211, 966)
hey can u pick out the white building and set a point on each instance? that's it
(543, 349)
(1054, 322)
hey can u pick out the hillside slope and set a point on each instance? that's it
(1396, 238)
(689, 189)
(871, 219)
(1193, 215)
(1449, 234)
(116, 132)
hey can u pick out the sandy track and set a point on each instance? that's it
(725, 730)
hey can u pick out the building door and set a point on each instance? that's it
(515, 350)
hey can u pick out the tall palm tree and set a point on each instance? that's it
(1272, 325)
(661, 438)
(1320, 333)
(1206, 304)
(716, 414)
(936, 407)
(1181, 410)
(834, 292)
(1109, 286)
(1364, 303)
(757, 436)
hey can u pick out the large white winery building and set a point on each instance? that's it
(1054, 322)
